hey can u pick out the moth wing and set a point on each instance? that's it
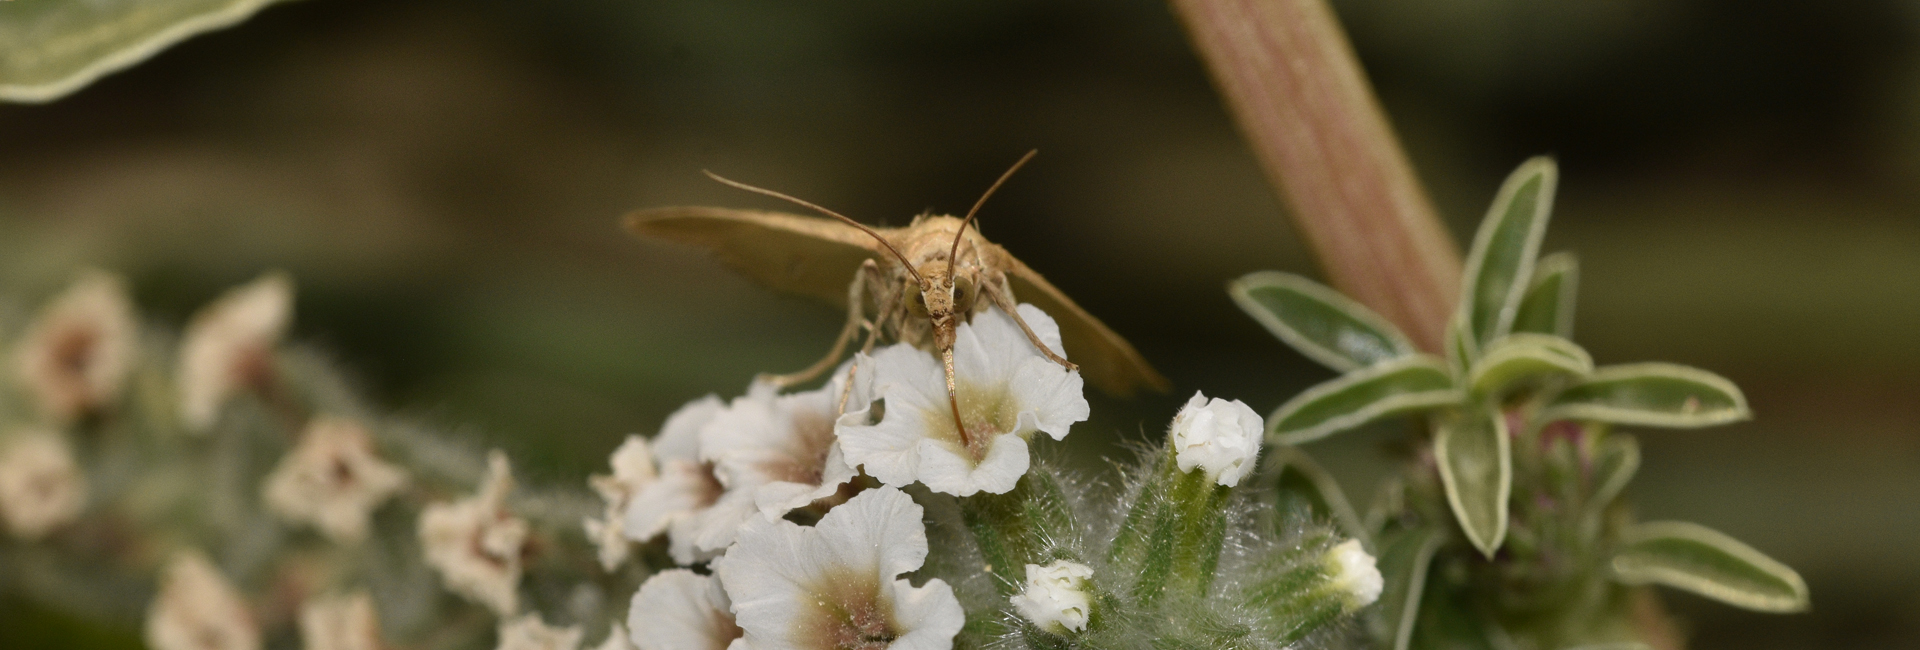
(1105, 359)
(805, 255)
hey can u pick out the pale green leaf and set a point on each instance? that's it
(1296, 475)
(1704, 561)
(1460, 348)
(1548, 307)
(1476, 466)
(1516, 358)
(54, 47)
(1319, 322)
(1651, 394)
(1499, 266)
(1613, 467)
(1404, 560)
(1402, 385)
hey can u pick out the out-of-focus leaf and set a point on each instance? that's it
(1404, 560)
(1460, 353)
(1476, 466)
(1398, 386)
(1297, 475)
(1651, 394)
(1500, 264)
(1614, 465)
(1548, 307)
(1704, 561)
(54, 47)
(1319, 322)
(1518, 357)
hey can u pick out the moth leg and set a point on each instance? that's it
(888, 303)
(856, 292)
(1002, 300)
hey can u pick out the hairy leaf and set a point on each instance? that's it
(1319, 322)
(1408, 384)
(1476, 466)
(1548, 307)
(1516, 358)
(1651, 394)
(56, 47)
(1500, 264)
(1706, 562)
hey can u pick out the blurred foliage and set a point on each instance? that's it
(445, 178)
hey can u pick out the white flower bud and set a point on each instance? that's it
(1056, 596)
(1353, 574)
(1218, 436)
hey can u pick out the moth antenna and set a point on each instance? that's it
(863, 227)
(955, 250)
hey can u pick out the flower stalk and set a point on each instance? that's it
(1293, 84)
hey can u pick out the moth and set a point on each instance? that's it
(920, 280)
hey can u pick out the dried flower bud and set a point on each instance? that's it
(77, 353)
(339, 623)
(197, 609)
(40, 486)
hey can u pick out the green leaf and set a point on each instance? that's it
(1698, 559)
(1296, 475)
(1516, 358)
(1548, 307)
(1460, 351)
(1412, 383)
(1476, 466)
(1651, 394)
(1404, 560)
(1613, 467)
(1500, 264)
(1319, 322)
(55, 47)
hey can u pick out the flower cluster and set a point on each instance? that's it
(875, 511)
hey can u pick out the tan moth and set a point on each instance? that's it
(921, 280)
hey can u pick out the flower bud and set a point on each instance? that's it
(1220, 437)
(1353, 574)
(1056, 596)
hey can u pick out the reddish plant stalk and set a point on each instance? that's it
(1293, 84)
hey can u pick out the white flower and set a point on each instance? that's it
(678, 609)
(781, 448)
(77, 353)
(633, 470)
(332, 480)
(1218, 436)
(475, 543)
(1353, 574)
(197, 609)
(617, 638)
(339, 623)
(530, 633)
(40, 486)
(228, 346)
(1006, 390)
(1056, 596)
(687, 501)
(836, 586)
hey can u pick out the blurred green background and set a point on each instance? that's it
(1741, 181)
